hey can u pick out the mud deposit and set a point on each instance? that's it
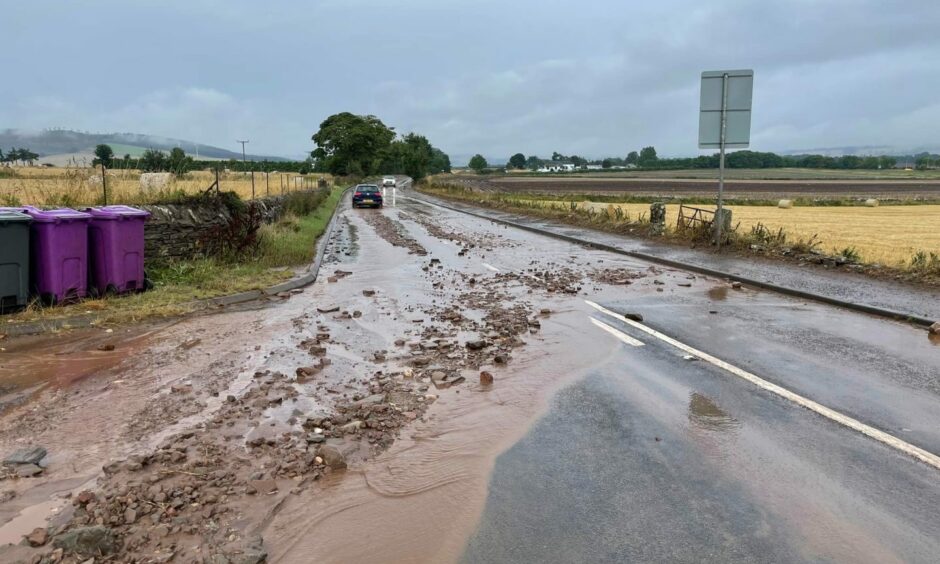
(279, 431)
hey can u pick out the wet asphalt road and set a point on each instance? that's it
(837, 284)
(653, 457)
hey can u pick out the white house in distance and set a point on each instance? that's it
(556, 166)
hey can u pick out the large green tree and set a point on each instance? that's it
(178, 162)
(633, 158)
(104, 155)
(647, 156)
(478, 163)
(351, 144)
(517, 161)
(153, 161)
(440, 162)
(416, 155)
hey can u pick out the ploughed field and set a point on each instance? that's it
(735, 188)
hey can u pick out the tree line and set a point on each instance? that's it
(179, 163)
(923, 161)
(647, 158)
(15, 156)
(349, 144)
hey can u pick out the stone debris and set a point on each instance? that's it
(332, 457)
(28, 455)
(39, 537)
(92, 541)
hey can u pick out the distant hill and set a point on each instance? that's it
(55, 145)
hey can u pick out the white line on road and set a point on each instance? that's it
(854, 424)
(491, 267)
(618, 333)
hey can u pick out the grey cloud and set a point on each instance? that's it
(595, 78)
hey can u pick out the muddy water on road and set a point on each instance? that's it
(88, 407)
(31, 363)
(419, 501)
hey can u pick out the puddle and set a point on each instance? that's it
(29, 364)
(705, 414)
(718, 293)
(30, 518)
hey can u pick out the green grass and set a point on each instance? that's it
(288, 243)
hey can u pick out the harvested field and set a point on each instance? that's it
(923, 189)
(72, 187)
(889, 235)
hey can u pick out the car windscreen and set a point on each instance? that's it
(368, 189)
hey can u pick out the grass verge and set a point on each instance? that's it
(286, 244)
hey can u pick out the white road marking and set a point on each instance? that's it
(867, 430)
(491, 267)
(618, 333)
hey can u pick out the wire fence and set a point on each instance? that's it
(76, 186)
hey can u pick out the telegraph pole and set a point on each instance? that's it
(244, 165)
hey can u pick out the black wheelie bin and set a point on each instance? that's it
(14, 259)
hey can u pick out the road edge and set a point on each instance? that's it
(793, 292)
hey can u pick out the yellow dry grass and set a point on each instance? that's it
(888, 235)
(82, 186)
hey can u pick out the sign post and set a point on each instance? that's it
(725, 122)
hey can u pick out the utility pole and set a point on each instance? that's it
(244, 166)
(720, 216)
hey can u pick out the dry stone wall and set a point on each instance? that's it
(182, 232)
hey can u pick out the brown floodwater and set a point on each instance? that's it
(29, 364)
(718, 293)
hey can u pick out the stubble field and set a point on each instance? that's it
(73, 187)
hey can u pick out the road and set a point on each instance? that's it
(715, 424)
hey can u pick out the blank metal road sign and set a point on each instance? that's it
(740, 86)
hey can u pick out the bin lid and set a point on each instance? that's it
(117, 212)
(55, 216)
(9, 215)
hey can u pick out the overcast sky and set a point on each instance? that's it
(595, 77)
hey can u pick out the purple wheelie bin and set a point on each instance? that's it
(59, 253)
(116, 249)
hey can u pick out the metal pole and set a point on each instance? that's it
(721, 159)
(104, 183)
(245, 166)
